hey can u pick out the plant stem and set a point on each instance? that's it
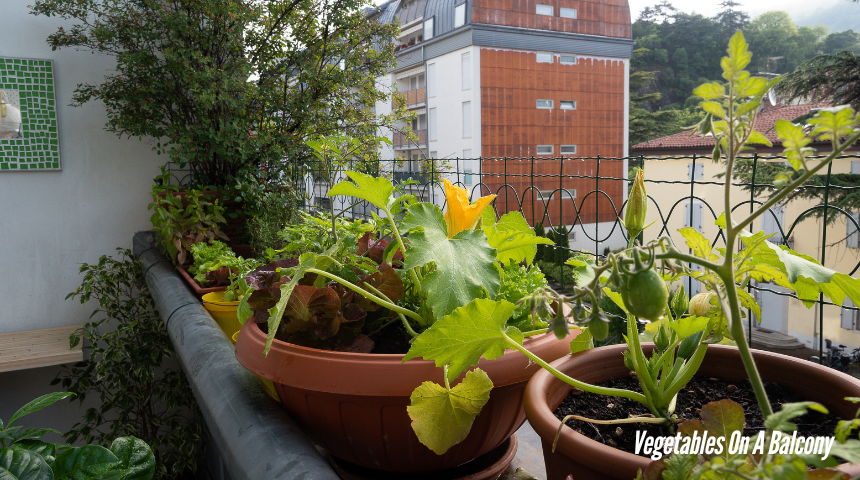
(406, 325)
(415, 280)
(366, 294)
(615, 392)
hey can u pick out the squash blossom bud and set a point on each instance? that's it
(637, 206)
(701, 303)
(680, 302)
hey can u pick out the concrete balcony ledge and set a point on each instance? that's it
(252, 433)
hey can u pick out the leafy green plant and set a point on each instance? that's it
(180, 222)
(124, 366)
(23, 456)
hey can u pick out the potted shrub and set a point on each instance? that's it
(381, 411)
(634, 278)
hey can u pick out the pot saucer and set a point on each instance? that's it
(486, 467)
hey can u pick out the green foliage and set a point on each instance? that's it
(460, 339)
(27, 458)
(190, 89)
(464, 264)
(513, 239)
(516, 283)
(124, 365)
(442, 416)
(182, 221)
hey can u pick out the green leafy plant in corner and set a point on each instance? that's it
(124, 366)
(24, 456)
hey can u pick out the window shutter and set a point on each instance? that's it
(698, 216)
(431, 80)
(689, 171)
(466, 67)
(847, 316)
(852, 233)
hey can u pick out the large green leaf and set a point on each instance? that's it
(800, 272)
(37, 446)
(20, 464)
(442, 418)
(583, 341)
(84, 463)
(794, 141)
(471, 331)
(688, 326)
(782, 420)
(465, 264)
(38, 404)
(376, 190)
(514, 240)
(136, 458)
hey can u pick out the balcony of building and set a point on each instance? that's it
(402, 141)
(413, 98)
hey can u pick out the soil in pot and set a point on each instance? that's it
(699, 391)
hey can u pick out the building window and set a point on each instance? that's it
(568, 104)
(431, 125)
(543, 57)
(567, 59)
(467, 154)
(546, 195)
(567, 149)
(700, 171)
(431, 80)
(850, 316)
(544, 104)
(853, 235)
(428, 28)
(466, 68)
(467, 119)
(460, 15)
(434, 154)
(855, 167)
(567, 13)
(544, 9)
(544, 149)
(772, 224)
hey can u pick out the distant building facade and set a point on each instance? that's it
(529, 81)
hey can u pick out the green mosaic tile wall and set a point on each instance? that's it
(37, 145)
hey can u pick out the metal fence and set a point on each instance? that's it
(585, 196)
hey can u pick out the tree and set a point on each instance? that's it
(730, 18)
(831, 78)
(840, 41)
(183, 71)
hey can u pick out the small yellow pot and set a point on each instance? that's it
(223, 312)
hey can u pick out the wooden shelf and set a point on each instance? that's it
(38, 348)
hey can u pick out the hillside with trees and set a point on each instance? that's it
(674, 53)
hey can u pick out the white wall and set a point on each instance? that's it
(51, 222)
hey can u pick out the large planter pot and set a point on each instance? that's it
(587, 459)
(354, 405)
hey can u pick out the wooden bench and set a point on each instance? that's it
(38, 348)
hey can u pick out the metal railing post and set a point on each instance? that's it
(823, 256)
(752, 200)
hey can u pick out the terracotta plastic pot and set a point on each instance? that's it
(223, 312)
(354, 405)
(587, 459)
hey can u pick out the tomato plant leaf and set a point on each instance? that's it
(465, 264)
(471, 331)
(688, 326)
(442, 418)
(38, 404)
(514, 240)
(700, 245)
(782, 420)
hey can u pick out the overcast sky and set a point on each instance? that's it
(711, 7)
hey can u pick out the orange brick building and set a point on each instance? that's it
(537, 89)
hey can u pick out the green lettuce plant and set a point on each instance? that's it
(24, 456)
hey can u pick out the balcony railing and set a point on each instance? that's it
(420, 177)
(401, 141)
(414, 97)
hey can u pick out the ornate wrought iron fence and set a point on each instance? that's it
(587, 195)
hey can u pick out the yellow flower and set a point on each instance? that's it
(462, 215)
